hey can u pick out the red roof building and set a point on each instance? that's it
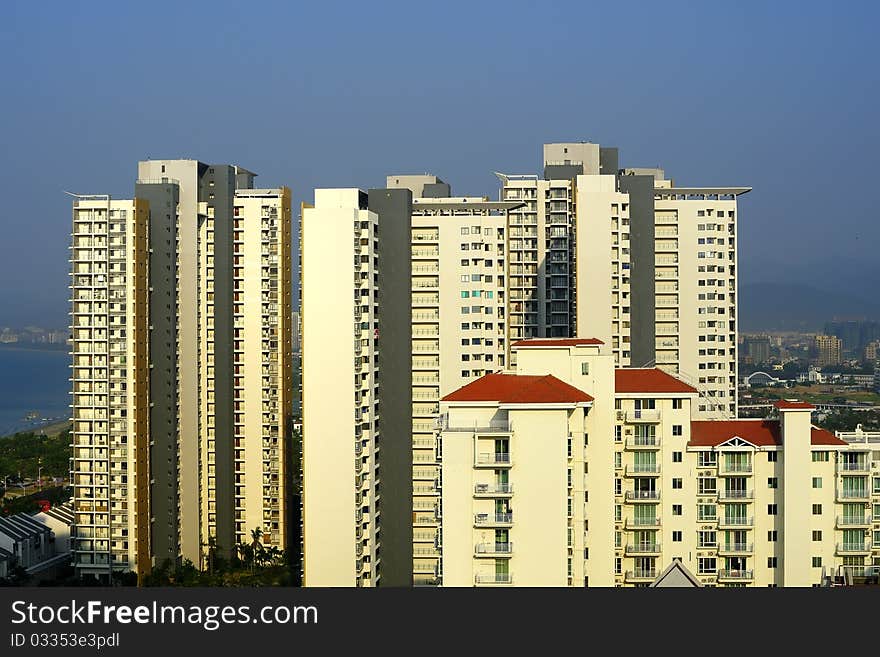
(519, 389)
(636, 380)
(760, 433)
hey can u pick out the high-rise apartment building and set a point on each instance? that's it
(619, 479)
(110, 471)
(459, 331)
(216, 438)
(828, 350)
(622, 255)
(695, 269)
(357, 414)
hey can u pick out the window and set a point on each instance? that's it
(772, 482)
(676, 483)
(676, 457)
(771, 509)
(706, 565)
(676, 403)
(676, 430)
(676, 509)
(676, 537)
(817, 535)
(618, 565)
(618, 459)
(617, 433)
(817, 509)
(820, 457)
(465, 230)
(706, 486)
(465, 294)
(817, 482)
(585, 368)
(771, 562)
(772, 536)
(772, 456)
(706, 459)
(465, 327)
(618, 487)
(465, 247)
(706, 512)
(706, 539)
(817, 562)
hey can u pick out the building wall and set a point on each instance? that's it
(603, 264)
(339, 418)
(394, 211)
(186, 533)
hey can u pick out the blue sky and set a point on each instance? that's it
(782, 96)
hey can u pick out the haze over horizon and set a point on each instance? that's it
(777, 96)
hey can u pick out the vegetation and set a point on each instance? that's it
(252, 564)
(30, 503)
(23, 454)
(846, 420)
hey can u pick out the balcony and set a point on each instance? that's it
(735, 575)
(855, 547)
(730, 549)
(642, 496)
(853, 494)
(493, 490)
(735, 521)
(490, 460)
(859, 467)
(493, 519)
(643, 442)
(643, 415)
(853, 521)
(735, 495)
(735, 468)
(493, 549)
(643, 470)
(493, 578)
(642, 523)
(641, 575)
(643, 549)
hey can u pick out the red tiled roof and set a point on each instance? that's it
(633, 379)
(824, 437)
(786, 404)
(557, 342)
(762, 433)
(519, 389)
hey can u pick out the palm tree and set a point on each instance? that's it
(259, 551)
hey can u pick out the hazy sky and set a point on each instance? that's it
(781, 96)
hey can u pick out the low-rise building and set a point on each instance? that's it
(28, 543)
(568, 472)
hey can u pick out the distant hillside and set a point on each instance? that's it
(796, 307)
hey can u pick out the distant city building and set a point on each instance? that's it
(828, 350)
(854, 334)
(757, 348)
(872, 351)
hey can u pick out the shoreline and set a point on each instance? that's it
(16, 346)
(50, 428)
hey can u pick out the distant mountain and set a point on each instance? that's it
(798, 307)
